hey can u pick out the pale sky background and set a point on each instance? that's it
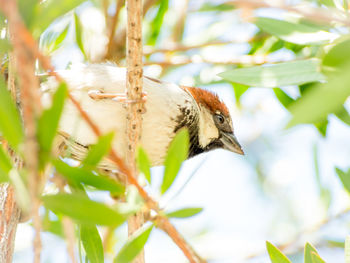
(240, 212)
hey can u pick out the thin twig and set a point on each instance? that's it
(134, 93)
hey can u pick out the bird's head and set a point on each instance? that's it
(215, 124)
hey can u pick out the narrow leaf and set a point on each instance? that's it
(276, 75)
(48, 122)
(283, 97)
(275, 254)
(134, 245)
(99, 150)
(82, 209)
(344, 178)
(10, 121)
(157, 22)
(185, 212)
(51, 40)
(177, 153)
(92, 243)
(296, 33)
(307, 253)
(143, 163)
(316, 258)
(331, 96)
(79, 34)
(83, 175)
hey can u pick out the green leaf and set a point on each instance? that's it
(50, 10)
(316, 258)
(338, 55)
(283, 97)
(92, 243)
(51, 40)
(177, 153)
(134, 245)
(21, 190)
(157, 22)
(275, 254)
(53, 226)
(331, 96)
(276, 75)
(83, 175)
(82, 209)
(185, 212)
(207, 7)
(308, 253)
(10, 121)
(79, 34)
(48, 122)
(99, 150)
(5, 165)
(343, 115)
(239, 90)
(143, 163)
(329, 3)
(344, 178)
(5, 45)
(27, 10)
(294, 32)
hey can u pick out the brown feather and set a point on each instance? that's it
(208, 99)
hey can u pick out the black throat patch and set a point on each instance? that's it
(189, 118)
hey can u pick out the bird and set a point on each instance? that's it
(168, 108)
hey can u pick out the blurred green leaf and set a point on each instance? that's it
(82, 209)
(53, 226)
(343, 115)
(338, 55)
(134, 245)
(185, 212)
(276, 75)
(177, 153)
(330, 95)
(83, 175)
(322, 127)
(157, 22)
(92, 243)
(329, 3)
(275, 254)
(283, 97)
(239, 90)
(344, 178)
(5, 165)
(21, 190)
(48, 122)
(50, 10)
(27, 10)
(316, 258)
(215, 7)
(294, 32)
(308, 252)
(79, 34)
(10, 121)
(51, 40)
(98, 150)
(143, 163)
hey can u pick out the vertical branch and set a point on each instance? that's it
(29, 87)
(134, 94)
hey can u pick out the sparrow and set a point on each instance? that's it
(168, 108)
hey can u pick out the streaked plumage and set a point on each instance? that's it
(169, 107)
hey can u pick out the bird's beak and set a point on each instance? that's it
(231, 143)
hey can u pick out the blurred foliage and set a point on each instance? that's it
(317, 69)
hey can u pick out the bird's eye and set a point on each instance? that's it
(219, 118)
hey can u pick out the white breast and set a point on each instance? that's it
(158, 121)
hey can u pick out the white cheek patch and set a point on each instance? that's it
(207, 128)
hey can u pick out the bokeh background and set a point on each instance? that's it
(285, 189)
